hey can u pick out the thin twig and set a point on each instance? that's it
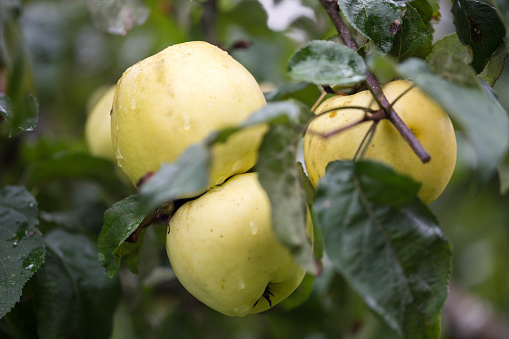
(361, 150)
(332, 9)
(208, 21)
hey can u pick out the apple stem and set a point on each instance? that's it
(332, 9)
(161, 215)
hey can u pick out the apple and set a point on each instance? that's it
(176, 98)
(224, 251)
(425, 118)
(98, 124)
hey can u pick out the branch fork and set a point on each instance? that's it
(332, 9)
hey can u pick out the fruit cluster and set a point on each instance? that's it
(221, 245)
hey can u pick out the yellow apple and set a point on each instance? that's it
(176, 98)
(97, 127)
(224, 251)
(425, 118)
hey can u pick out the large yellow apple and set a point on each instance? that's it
(176, 98)
(224, 251)
(98, 125)
(425, 118)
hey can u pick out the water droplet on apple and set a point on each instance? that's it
(187, 123)
(220, 180)
(236, 166)
(254, 227)
(133, 104)
(242, 284)
(119, 157)
(241, 311)
(216, 189)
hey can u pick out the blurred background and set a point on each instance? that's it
(69, 59)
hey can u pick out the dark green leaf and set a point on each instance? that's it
(186, 177)
(386, 243)
(57, 299)
(481, 117)
(131, 252)
(75, 166)
(18, 106)
(425, 9)
(414, 38)
(74, 296)
(87, 216)
(327, 63)
(120, 221)
(479, 26)
(374, 19)
(22, 116)
(279, 175)
(495, 65)
(22, 247)
(117, 16)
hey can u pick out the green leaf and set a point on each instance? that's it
(373, 18)
(22, 116)
(386, 244)
(120, 221)
(283, 91)
(414, 38)
(503, 174)
(453, 69)
(186, 177)
(480, 115)
(495, 66)
(281, 112)
(22, 247)
(300, 295)
(382, 66)
(479, 26)
(279, 175)
(117, 16)
(309, 190)
(452, 45)
(74, 297)
(327, 63)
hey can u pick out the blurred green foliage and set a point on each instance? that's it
(70, 59)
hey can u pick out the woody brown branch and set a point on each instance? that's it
(332, 9)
